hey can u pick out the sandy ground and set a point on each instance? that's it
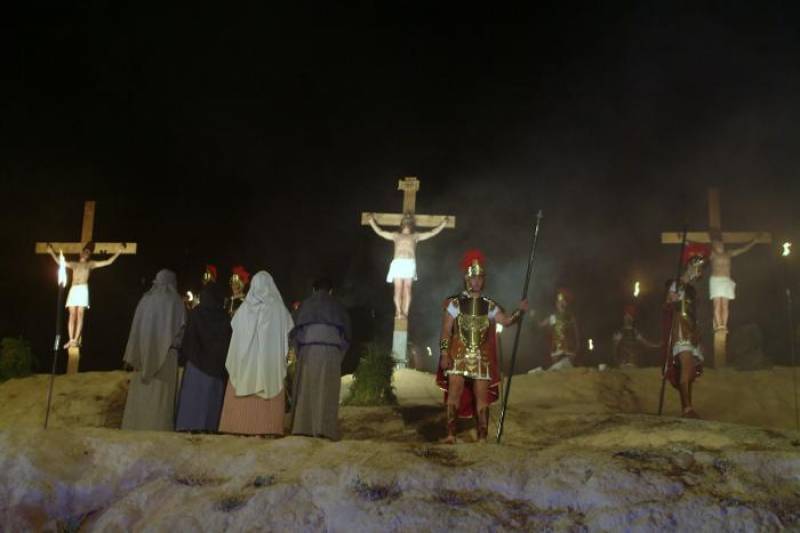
(579, 453)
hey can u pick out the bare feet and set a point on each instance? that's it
(450, 439)
(690, 413)
(69, 344)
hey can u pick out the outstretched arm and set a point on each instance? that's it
(506, 320)
(425, 235)
(645, 341)
(388, 235)
(55, 257)
(106, 262)
(746, 248)
(52, 252)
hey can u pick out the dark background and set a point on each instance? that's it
(258, 136)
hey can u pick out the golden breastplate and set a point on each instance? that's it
(472, 323)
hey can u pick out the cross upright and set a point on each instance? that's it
(87, 231)
(715, 227)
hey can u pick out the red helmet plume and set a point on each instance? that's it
(473, 263)
(240, 272)
(695, 249)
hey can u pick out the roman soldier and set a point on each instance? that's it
(210, 275)
(564, 339)
(239, 279)
(468, 371)
(683, 354)
(629, 340)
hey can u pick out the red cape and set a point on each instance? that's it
(468, 405)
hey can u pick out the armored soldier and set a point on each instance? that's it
(468, 370)
(684, 357)
(210, 275)
(564, 337)
(628, 341)
(239, 279)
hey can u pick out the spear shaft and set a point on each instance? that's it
(528, 275)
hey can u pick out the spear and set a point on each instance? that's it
(528, 274)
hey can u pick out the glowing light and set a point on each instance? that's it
(62, 269)
(636, 290)
(189, 296)
(499, 328)
(787, 249)
(430, 352)
(591, 345)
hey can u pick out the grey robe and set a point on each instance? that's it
(155, 335)
(321, 337)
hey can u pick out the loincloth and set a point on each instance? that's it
(78, 296)
(402, 268)
(721, 287)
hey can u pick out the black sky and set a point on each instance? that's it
(258, 136)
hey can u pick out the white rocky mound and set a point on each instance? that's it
(581, 451)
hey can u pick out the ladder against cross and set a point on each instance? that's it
(728, 237)
(409, 186)
(87, 230)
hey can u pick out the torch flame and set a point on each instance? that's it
(636, 290)
(787, 249)
(189, 296)
(62, 269)
(591, 345)
(499, 328)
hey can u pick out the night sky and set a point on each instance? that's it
(258, 137)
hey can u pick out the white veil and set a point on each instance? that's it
(256, 359)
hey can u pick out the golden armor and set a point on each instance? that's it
(472, 326)
(684, 321)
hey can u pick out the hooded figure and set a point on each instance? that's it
(256, 362)
(321, 337)
(203, 353)
(155, 336)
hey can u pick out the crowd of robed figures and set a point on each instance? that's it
(235, 369)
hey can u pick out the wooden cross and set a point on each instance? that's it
(409, 186)
(87, 229)
(715, 225)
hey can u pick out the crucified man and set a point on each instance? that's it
(78, 297)
(721, 287)
(403, 270)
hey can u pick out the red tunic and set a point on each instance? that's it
(468, 404)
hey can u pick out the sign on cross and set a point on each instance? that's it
(87, 231)
(727, 237)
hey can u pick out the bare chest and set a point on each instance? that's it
(405, 246)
